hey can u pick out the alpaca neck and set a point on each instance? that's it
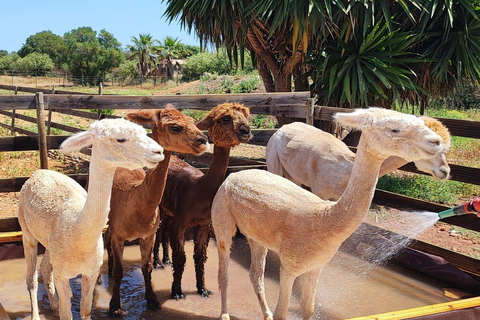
(218, 168)
(153, 185)
(355, 201)
(93, 217)
(390, 164)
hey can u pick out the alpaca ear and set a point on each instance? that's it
(141, 117)
(205, 123)
(358, 119)
(78, 141)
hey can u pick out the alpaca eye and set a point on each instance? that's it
(121, 140)
(227, 118)
(395, 130)
(176, 129)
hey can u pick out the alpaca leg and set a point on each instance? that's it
(179, 259)
(309, 283)
(257, 272)
(166, 231)
(225, 228)
(108, 245)
(200, 256)
(156, 248)
(30, 251)
(88, 285)
(48, 281)
(146, 246)
(117, 246)
(64, 298)
(223, 244)
(286, 284)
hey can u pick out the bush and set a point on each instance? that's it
(9, 62)
(195, 66)
(38, 63)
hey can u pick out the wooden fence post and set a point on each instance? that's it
(42, 137)
(310, 109)
(100, 92)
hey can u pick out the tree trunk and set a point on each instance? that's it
(266, 75)
(301, 84)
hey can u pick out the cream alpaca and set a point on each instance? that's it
(275, 214)
(311, 157)
(56, 211)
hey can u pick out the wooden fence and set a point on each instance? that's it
(292, 104)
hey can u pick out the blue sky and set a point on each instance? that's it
(124, 19)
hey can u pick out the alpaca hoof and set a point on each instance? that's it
(166, 261)
(204, 292)
(115, 311)
(153, 305)
(225, 316)
(158, 265)
(178, 295)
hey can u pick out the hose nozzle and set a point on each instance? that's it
(472, 207)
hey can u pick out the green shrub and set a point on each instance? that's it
(247, 84)
(206, 62)
(426, 188)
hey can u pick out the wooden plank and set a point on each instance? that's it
(34, 120)
(10, 237)
(458, 173)
(276, 103)
(3, 313)
(462, 128)
(33, 90)
(261, 136)
(15, 184)
(19, 130)
(17, 102)
(9, 224)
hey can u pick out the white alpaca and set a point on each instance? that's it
(275, 214)
(56, 211)
(311, 157)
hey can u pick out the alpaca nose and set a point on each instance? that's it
(244, 129)
(202, 139)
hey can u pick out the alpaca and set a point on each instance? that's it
(56, 211)
(188, 193)
(136, 196)
(275, 214)
(311, 157)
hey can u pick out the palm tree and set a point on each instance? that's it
(144, 48)
(172, 48)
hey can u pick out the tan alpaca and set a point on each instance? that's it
(136, 196)
(311, 157)
(56, 211)
(275, 214)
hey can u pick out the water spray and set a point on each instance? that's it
(472, 207)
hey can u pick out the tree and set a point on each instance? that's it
(44, 42)
(144, 48)
(37, 63)
(172, 48)
(9, 62)
(89, 56)
(417, 46)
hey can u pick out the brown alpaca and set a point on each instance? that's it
(189, 193)
(136, 196)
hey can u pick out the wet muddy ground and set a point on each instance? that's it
(349, 287)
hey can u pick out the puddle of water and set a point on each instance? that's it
(348, 287)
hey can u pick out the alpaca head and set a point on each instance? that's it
(118, 143)
(437, 165)
(227, 124)
(173, 130)
(389, 133)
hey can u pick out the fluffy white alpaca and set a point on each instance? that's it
(311, 157)
(56, 211)
(275, 214)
